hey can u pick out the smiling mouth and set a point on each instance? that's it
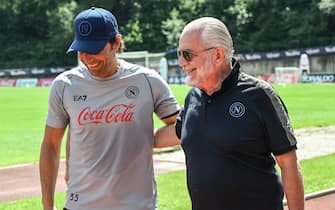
(94, 65)
(188, 71)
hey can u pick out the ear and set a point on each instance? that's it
(219, 56)
(117, 43)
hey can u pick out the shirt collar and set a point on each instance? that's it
(231, 80)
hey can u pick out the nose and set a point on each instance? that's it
(182, 62)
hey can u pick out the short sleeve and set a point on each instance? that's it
(277, 123)
(181, 116)
(57, 116)
(165, 103)
(179, 124)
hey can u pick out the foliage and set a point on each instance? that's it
(172, 28)
(327, 6)
(30, 37)
(37, 33)
(60, 21)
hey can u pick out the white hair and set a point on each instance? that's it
(214, 33)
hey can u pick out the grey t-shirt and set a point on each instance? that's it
(111, 135)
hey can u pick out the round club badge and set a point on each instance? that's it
(85, 28)
(132, 92)
(237, 109)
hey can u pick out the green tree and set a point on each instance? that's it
(281, 24)
(60, 35)
(327, 6)
(28, 37)
(37, 33)
(172, 28)
(151, 14)
(26, 28)
(133, 34)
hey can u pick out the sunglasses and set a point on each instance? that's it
(188, 55)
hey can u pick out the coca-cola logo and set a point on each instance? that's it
(116, 114)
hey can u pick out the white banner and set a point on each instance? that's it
(32, 82)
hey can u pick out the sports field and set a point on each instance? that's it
(23, 113)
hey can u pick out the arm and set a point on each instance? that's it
(49, 163)
(67, 155)
(292, 180)
(166, 136)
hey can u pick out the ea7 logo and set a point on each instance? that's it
(80, 98)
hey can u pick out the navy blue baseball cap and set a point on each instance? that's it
(93, 28)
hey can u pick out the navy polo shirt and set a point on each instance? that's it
(229, 139)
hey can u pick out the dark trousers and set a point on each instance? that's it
(65, 209)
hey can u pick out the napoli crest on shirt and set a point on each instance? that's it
(132, 92)
(236, 109)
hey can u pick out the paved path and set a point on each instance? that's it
(326, 202)
(22, 181)
(323, 200)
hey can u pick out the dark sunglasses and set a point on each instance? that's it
(188, 55)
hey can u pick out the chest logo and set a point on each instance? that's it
(119, 113)
(237, 109)
(132, 92)
(79, 97)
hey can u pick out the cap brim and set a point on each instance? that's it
(87, 46)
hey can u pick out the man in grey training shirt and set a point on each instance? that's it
(107, 104)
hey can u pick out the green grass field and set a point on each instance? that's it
(309, 104)
(23, 112)
(172, 191)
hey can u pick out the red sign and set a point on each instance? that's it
(45, 81)
(7, 82)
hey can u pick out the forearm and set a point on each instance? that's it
(293, 187)
(66, 177)
(166, 137)
(49, 163)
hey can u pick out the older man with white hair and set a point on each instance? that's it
(233, 129)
